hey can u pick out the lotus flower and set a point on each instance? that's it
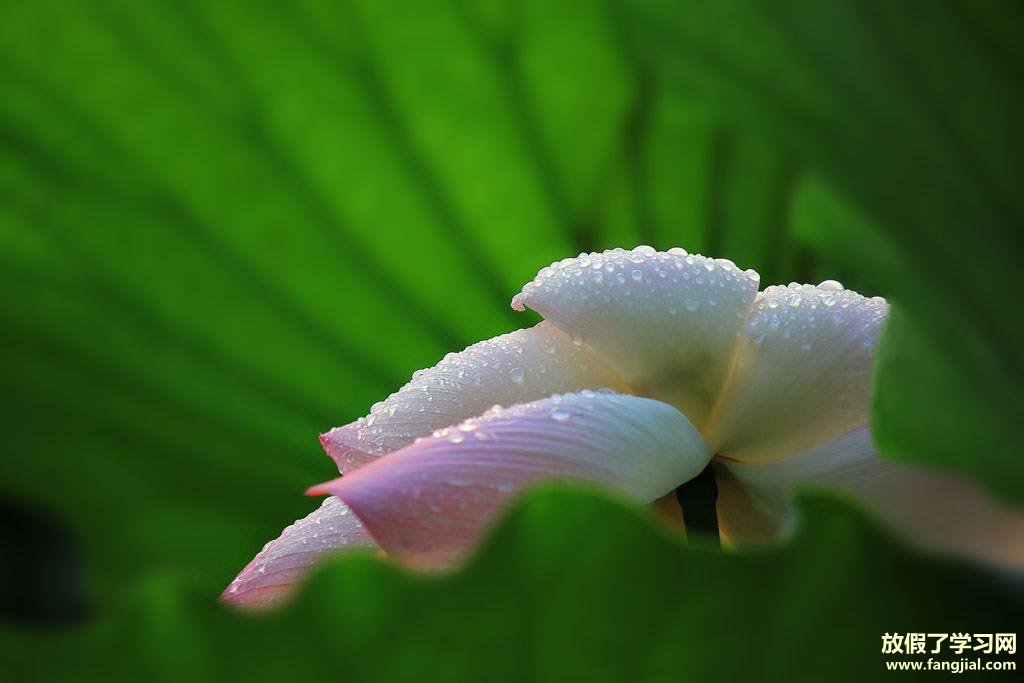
(648, 367)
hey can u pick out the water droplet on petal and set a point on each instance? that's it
(560, 414)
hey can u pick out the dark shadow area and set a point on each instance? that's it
(41, 572)
(698, 498)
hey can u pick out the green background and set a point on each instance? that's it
(225, 227)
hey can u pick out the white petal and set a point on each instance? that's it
(802, 372)
(284, 562)
(430, 502)
(514, 368)
(934, 510)
(666, 321)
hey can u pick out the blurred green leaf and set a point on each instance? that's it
(550, 599)
(910, 114)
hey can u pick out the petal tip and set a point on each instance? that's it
(321, 489)
(347, 448)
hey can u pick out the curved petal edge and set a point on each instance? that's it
(429, 503)
(284, 562)
(521, 366)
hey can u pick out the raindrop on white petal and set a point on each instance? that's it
(560, 414)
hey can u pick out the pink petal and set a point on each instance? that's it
(802, 374)
(934, 510)
(430, 502)
(514, 368)
(285, 561)
(667, 322)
